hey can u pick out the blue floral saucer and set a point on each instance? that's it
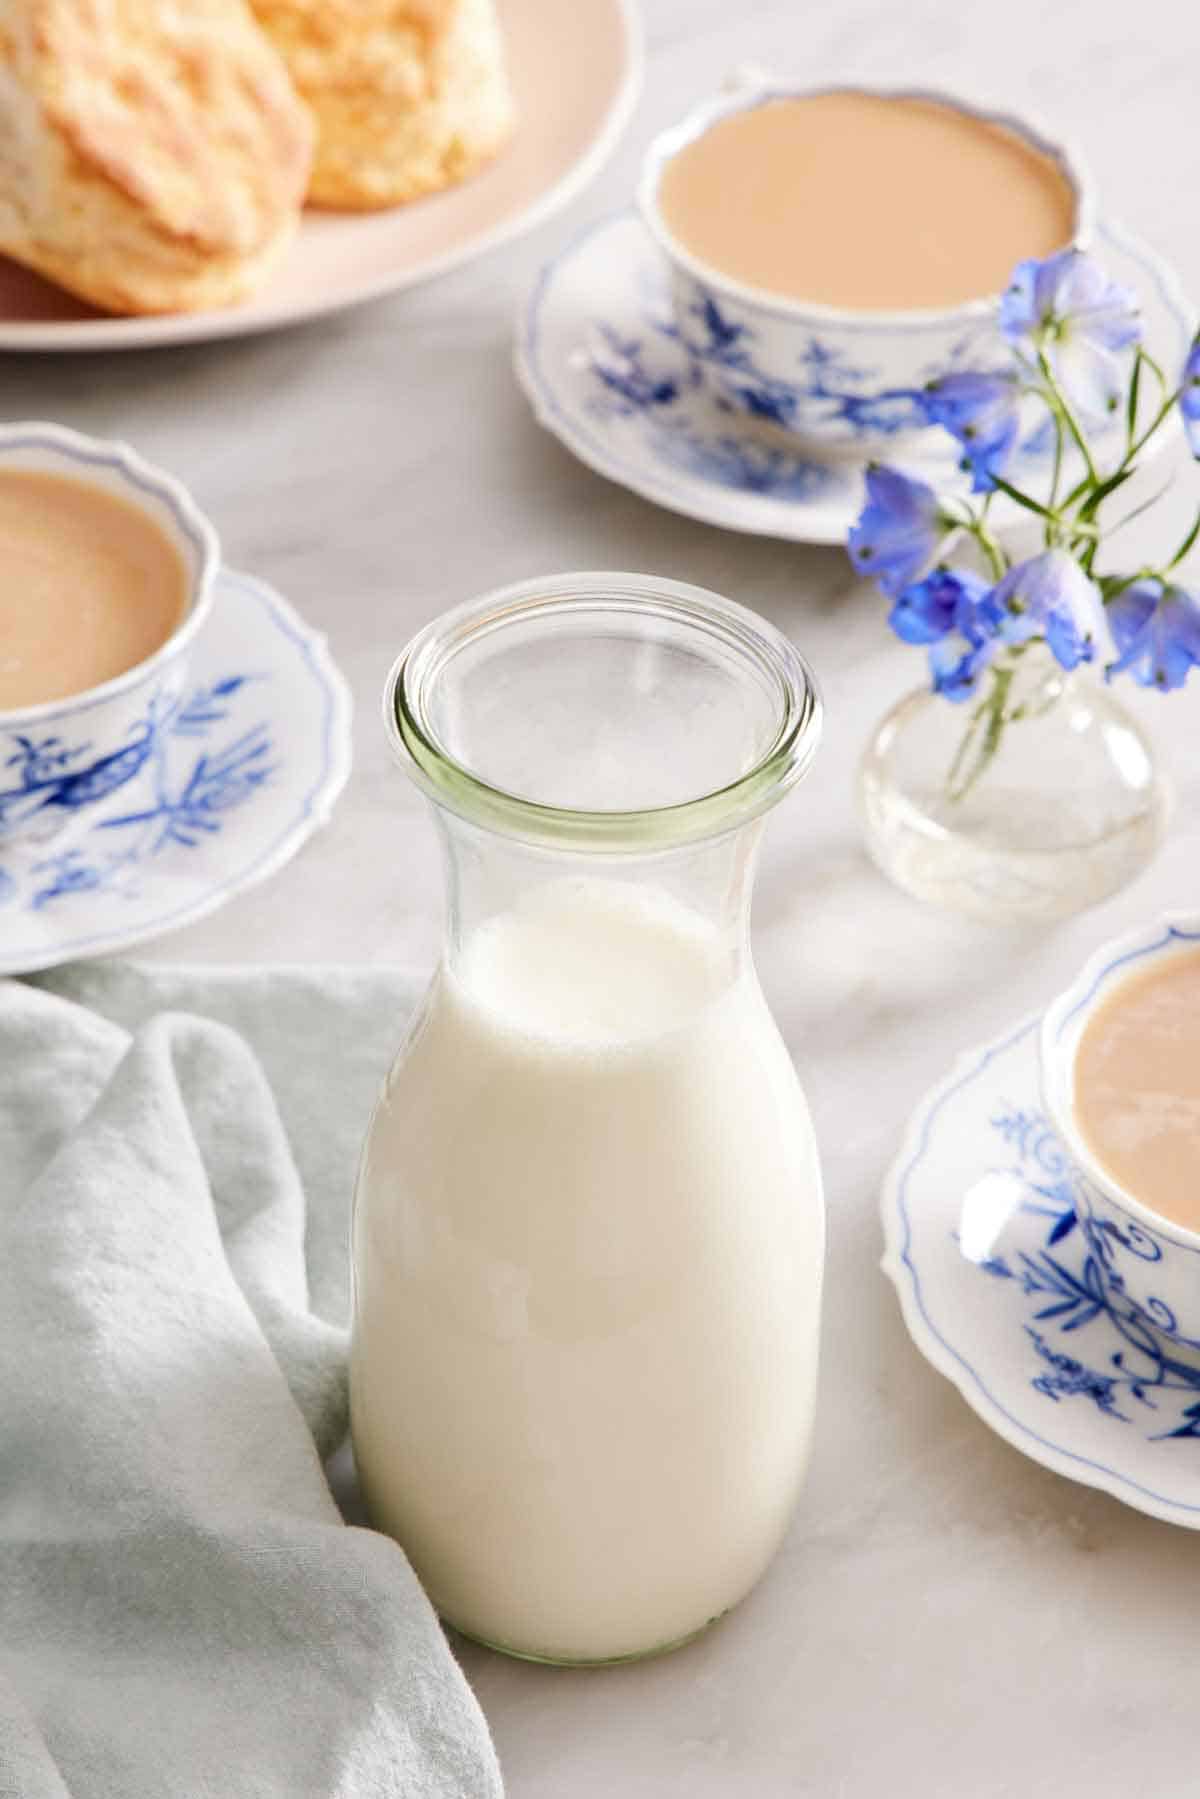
(227, 784)
(1001, 1289)
(599, 357)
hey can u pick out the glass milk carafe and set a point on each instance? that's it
(589, 1231)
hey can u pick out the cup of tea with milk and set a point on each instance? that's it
(832, 250)
(107, 569)
(1120, 1056)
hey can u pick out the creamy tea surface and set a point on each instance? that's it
(1137, 1087)
(89, 587)
(861, 201)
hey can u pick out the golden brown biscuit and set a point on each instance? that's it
(409, 95)
(153, 153)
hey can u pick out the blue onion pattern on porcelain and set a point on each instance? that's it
(634, 377)
(1147, 1266)
(821, 375)
(64, 762)
(171, 796)
(1094, 1341)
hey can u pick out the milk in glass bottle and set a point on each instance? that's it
(588, 1231)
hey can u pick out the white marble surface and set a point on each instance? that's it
(946, 1619)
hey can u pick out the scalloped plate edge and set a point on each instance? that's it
(317, 811)
(902, 1273)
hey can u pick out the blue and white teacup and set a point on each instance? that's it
(828, 378)
(1148, 1266)
(67, 760)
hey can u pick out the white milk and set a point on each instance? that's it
(588, 1250)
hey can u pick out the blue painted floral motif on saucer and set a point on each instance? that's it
(215, 789)
(1010, 1289)
(181, 801)
(608, 370)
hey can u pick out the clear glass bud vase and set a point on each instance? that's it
(588, 1228)
(1032, 801)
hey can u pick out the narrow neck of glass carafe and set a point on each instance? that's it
(709, 882)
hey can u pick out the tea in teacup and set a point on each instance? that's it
(90, 586)
(1137, 1087)
(864, 201)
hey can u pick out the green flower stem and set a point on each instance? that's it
(1085, 533)
(953, 790)
(1113, 586)
(989, 719)
(987, 543)
(1162, 414)
(1084, 543)
(1133, 399)
(1056, 477)
(1062, 406)
(1184, 547)
(1134, 445)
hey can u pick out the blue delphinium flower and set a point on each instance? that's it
(899, 530)
(928, 610)
(1067, 306)
(981, 408)
(957, 665)
(1189, 397)
(1050, 596)
(958, 662)
(1156, 630)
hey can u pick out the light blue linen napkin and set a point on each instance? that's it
(183, 1614)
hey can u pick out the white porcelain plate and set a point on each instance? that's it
(599, 358)
(1001, 1291)
(241, 773)
(576, 70)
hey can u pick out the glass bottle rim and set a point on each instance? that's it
(450, 784)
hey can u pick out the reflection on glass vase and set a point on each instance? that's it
(1034, 802)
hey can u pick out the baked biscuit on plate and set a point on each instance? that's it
(153, 158)
(410, 96)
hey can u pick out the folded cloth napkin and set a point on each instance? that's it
(183, 1614)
